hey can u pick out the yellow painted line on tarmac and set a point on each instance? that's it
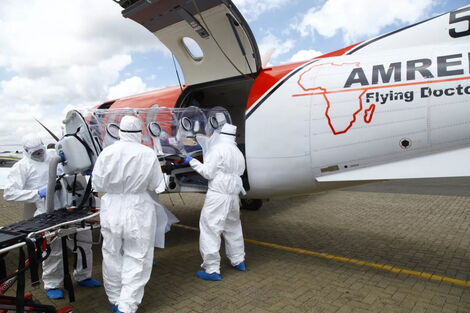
(185, 227)
(328, 256)
(9, 158)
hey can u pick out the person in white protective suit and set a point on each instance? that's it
(27, 179)
(27, 182)
(220, 215)
(126, 171)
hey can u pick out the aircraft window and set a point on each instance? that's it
(193, 49)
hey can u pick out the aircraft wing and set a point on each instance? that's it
(455, 163)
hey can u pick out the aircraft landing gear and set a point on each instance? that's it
(251, 204)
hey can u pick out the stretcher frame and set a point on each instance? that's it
(49, 234)
(57, 232)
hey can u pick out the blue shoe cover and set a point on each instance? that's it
(115, 309)
(89, 283)
(240, 267)
(203, 275)
(55, 294)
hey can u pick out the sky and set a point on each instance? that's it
(57, 55)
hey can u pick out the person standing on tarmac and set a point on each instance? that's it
(126, 171)
(220, 214)
(27, 179)
(27, 182)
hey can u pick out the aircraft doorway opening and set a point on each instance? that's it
(231, 94)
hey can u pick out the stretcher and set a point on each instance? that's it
(36, 235)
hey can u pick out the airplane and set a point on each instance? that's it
(396, 106)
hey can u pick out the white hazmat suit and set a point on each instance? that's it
(126, 171)
(26, 177)
(220, 215)
(29, 174)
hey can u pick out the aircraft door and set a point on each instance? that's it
(210, 38)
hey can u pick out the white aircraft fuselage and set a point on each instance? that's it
(396, 106)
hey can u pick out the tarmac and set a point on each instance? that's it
(400, 246)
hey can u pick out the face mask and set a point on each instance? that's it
(39, 155)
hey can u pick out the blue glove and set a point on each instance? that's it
(187, 159)
(42, 192)
(89, 172)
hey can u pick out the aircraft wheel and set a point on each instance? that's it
(251, 204)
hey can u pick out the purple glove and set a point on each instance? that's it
(42, 192)
(187, 159)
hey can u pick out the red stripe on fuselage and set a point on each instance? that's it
(270, 76)
(165, 97)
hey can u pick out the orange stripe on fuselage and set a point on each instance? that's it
(383, 86)
(270, 76)
(165, 97)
